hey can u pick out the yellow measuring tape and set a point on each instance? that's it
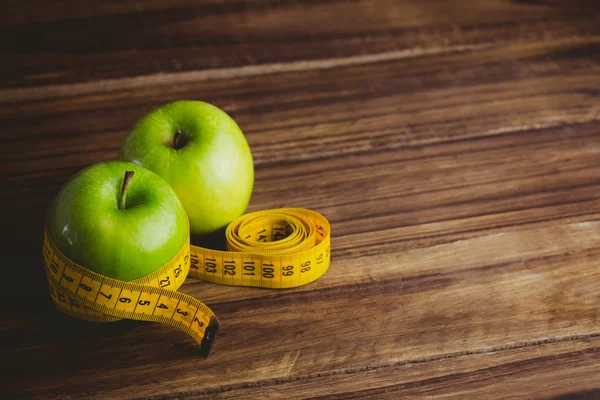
(281, 248)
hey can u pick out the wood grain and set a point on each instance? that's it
(453, 146)
(77, 41)
(525, 370)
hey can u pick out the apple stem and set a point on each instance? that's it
(176, 140)
(126, 180)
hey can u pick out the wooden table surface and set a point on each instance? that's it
(453, 145)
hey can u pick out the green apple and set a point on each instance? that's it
(120, 225)
(204, 156)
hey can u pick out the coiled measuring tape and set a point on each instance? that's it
(281, 248)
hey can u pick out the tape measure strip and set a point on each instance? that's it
(276, 249)
(280, 248)
(87, 295)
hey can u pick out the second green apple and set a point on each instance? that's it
(202, 153)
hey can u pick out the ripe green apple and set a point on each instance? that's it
(204, 156)
(121, 226)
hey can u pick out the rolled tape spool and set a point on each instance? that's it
(278, 249)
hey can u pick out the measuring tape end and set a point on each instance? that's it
(209, 336)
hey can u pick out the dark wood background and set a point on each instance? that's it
(454, 146)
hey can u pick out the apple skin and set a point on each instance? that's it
(211, 171)
(87, 225)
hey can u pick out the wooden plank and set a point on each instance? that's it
(387, 120)
(438, 281)
(439, 106)
(44, 44)
(563, 370)
(525, 285)
(372, 214)
(462, 188)
(413, 13)
(515, 88)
